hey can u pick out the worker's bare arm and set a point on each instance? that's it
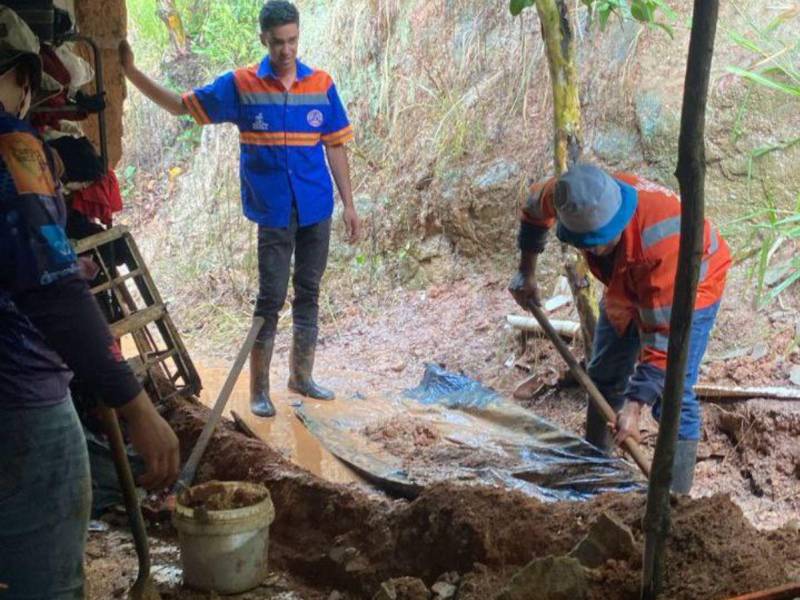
(166, 99)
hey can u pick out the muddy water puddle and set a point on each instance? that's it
(285, 432)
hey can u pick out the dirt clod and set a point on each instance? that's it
(608, 538)
(549, 578)
(215, 495)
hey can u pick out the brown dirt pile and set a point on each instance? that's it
(345, 538)
(401, 435)
(423, 449)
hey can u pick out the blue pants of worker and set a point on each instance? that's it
(613, 362)
(45, 499)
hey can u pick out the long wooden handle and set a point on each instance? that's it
(126, 483)
(187, 474)
(784, 592)
(595, 396)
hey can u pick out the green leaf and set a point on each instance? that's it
(641, 11)
(603, 14)
(666, 28)
(517, 6)
(795, 276)
(792, 90)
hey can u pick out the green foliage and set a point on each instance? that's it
(644, 11)
(774, 52)
(226, 33)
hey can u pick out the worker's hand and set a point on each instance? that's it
(628, 422)
(154, 440)
(126, 57)
(352, 224)
(524, 289)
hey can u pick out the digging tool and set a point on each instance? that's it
(595, 397)
(187, 474)
(143, 588)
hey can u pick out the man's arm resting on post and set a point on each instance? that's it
(340, 168)
(166, 99)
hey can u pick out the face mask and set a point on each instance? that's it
(22, 105)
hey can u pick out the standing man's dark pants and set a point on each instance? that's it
(275, 247)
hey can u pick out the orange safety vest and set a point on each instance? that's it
(641, 284)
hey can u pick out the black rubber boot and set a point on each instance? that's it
(260, 358)
(683, 466)
(301, 365)
(598, 433)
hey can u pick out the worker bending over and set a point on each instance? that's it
(628, 228)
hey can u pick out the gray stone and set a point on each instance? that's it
(608, 538)
(617, 145)
(794, 374)
(444, 590)
(500, 171)
(550, 578)
(760, 350)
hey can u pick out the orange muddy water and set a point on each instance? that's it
(284, 432)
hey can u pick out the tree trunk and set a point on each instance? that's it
(172, 19)
(691, 176)
(560, 45)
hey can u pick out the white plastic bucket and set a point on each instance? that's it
(224, 549)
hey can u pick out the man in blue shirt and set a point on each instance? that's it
(290, 118)
(50, 328)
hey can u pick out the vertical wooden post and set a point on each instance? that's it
(560, 47)
(691, 176)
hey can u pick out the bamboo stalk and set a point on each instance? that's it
(560, 48)
(691, 177)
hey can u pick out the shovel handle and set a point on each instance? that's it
(595, 396)
(190, 468)
(125, 476)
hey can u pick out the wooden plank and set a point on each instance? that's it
(98, 239)
(722, 392)
(784, 592)
(122, 278)
(137, 320)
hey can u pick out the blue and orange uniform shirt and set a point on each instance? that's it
(640, 282)
(282, 134)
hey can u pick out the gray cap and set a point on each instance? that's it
(18, 43)
(592, 207)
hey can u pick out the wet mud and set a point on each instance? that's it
(342, 537)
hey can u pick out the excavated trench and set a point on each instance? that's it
(342, 536)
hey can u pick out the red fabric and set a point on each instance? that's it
(100, 200)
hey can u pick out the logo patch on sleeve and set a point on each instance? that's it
(27, 164)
